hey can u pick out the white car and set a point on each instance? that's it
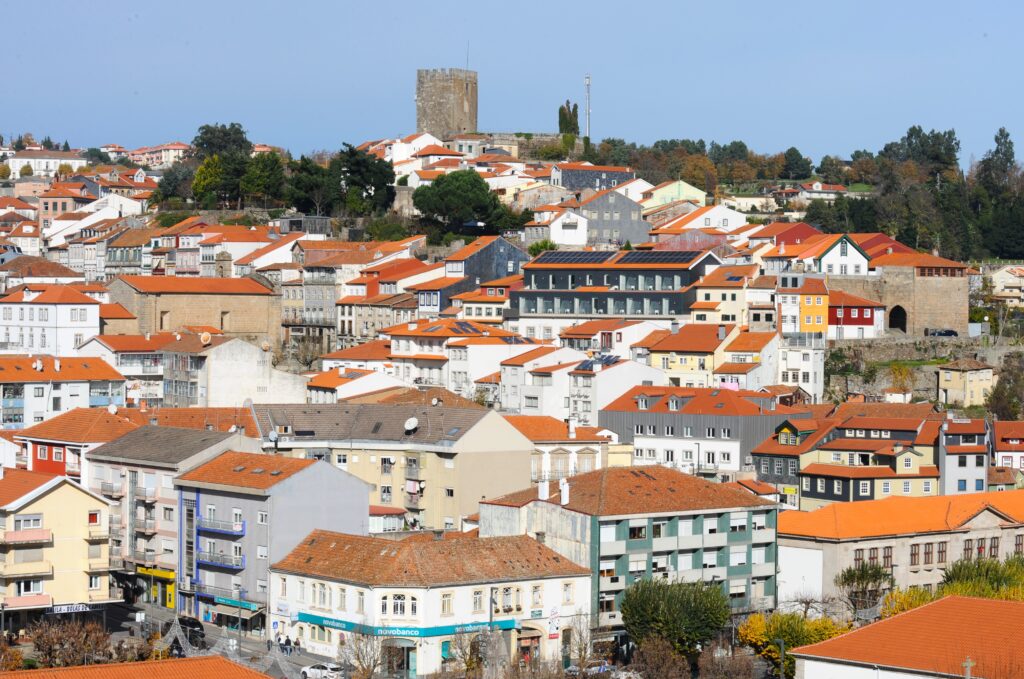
(322, 671)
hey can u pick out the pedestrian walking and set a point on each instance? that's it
(287, 645)
(270, 644)
(296, 645)
(280, 643)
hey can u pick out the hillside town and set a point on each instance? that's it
(488, 405)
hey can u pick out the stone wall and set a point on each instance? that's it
(446, 101)
(929, 301)
(525, 145)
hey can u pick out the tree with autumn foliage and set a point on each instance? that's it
(760, 632)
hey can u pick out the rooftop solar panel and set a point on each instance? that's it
(573, 257)
(659, 257)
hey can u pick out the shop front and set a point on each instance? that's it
(231, 613)
(155, 586)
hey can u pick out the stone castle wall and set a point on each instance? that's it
(446, 101)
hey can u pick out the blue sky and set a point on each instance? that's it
(826, 77)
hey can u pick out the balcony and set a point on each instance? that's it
(73, 468)
(209, 590)
(28, 601)
(609, 619)
(612, 583)
(113, 594)
(100, 565)
(116, 563)
(24, 570)
(762, 570)
(144, 558)
(112, 489)
(413, 501)
(412, 471)
(218, 526)
(715, 539)
(146, 495)
(147, 526)
(99, 532)
(12, 403)
(760, 535)
(221, 560)
(28, 536)
(166, 560)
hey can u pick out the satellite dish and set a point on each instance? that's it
(423, 484)
(233, 428)
(411, 424)
(272, 435)
(434, 401)
(112, 409)
(205, 338)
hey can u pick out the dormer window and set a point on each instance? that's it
(673, 404)
(641, 403)
(886, 434)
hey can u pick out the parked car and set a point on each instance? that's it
(192, 628)
(327, 670)
(941, 332)
(594, 668)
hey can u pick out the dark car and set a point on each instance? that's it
(194, 630)
(943, 332)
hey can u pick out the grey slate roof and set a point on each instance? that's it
(437, 425)
(159, 445)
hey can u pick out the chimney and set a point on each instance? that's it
(543, 491)
(438, 535)
(541, 535)
(721, 333)
(572, 427)
(56, 365)
(564, 487)
(147, 336)
(888, 251)
(782, 249)
(674, 327)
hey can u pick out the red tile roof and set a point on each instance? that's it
(615, 491)
(374, 350)
(698, 338)
(547, 429)
(422, 561)
(17, 483)
(246, 470)
(445, 328)
(204, 667)
(15, 369)
(934, 640)
(115, 311)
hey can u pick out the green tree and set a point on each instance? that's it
(26, 170)
(686, 614)
(5, 172)
(627, 246)
(363, 184)
(796, 166)
(65, 146)
(386, 230)
(831, 170)
(220, 140)
(819, 213)
(208, 180)
(309, 188)
(760, 632)
(94, 156)
(540, 246)
(176, 181)
(997, 171)
(861, 587)
(47, 143)
(568, 118)
(264, 178)
(456, 198)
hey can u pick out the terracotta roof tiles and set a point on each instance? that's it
(246, 470)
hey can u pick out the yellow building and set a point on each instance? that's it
(804, 307)
(966, 382)
(54, 548)
(690, 354)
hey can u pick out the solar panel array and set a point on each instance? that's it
(659, 256)
(574, 257)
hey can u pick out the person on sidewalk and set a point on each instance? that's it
(270, 644)
(287, 645)
(298, 648)
(280, 642)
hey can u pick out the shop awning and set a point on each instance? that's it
(232, 611)
(527, 633)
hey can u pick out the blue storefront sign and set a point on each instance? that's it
(440, 631)
(247, 605)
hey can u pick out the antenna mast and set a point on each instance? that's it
(586, 83)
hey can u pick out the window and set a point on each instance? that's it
(168, 513)
(873, 556)
(961, 460)
(1018, 544)
(979, 484)
(536, 596)
(262, 552)
(638, 532)
(858, 558)
(928, 547)
(94, 582)
(342, 599)
(805, 483)
(864, 487)
(284, 587)
(887, 557)
(360, 602)
(94, 518)
(908, 462)
(961, 485)
(478, 600)
(968, 550)
(915, 555)
(567, 593)
(42, 452)
(906, 487)
(837, 486)
(886, 487)
(446, 603)
(993, 548)
(261, 518)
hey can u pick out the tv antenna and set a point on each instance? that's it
(586, 83)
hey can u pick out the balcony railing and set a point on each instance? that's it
(21, 570)
(223, 560)
(145, 526)
(145, 494)
(97, 565)
(116, 563)
(413, 471)
(209, 590)
(27, 601)
(413, 500)
(99, 532)
(219, 526)
(145, 558)
(26, 537)
(111, 489)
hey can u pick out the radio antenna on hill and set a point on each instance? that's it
(586, 83)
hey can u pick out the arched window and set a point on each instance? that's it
(398, 604)
(412, 605)
(383, 605)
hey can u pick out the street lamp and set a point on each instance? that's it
(238, 593)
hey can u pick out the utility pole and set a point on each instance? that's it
(586, 83)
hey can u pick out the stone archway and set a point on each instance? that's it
(898, 318)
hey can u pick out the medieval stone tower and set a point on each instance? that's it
(445, 101)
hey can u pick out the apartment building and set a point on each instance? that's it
(418, 594)
(608, 335)
(563, 287)
(915, 538)
(625, 524)
(965, 382)
(852, 317)
(54, 320)
(433, 461)
(709, 432)
(139, 358)
(137, 470)
(34, 389)
(240, 512)
(562, 448)
(689, 355)
(1008, 443)
(54, 550)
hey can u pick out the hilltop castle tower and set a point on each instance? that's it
(446, 101)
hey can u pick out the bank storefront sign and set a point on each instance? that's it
(247, 605)
(440, 631)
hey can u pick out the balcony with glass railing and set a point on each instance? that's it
(221, 560)
(219, 526)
